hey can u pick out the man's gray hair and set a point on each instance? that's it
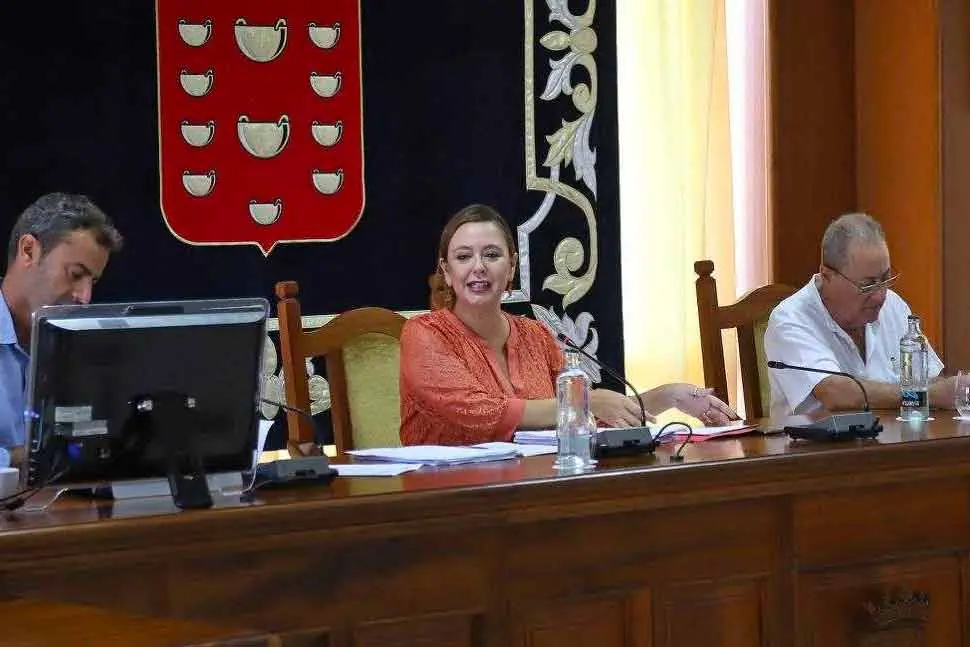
(54, 216)
(845, 230)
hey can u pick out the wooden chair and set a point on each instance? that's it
(362, 354)
(750, 316)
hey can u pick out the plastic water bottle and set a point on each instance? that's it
(913, 373)
(573, 428)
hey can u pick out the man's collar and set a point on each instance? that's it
(8, 334)
(820, 305)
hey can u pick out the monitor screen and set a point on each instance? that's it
(94, 367)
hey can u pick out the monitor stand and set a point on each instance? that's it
(172, 419)
(219, 483)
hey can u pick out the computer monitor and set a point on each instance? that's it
(136, 390)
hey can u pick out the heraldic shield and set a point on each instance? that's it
(260, 120)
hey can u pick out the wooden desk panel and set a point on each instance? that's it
(27, 623)
(751, 541)
(899, 518)
(830, 599)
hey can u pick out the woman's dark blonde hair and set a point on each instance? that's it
(442, 295)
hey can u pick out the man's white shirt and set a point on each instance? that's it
(801, 331)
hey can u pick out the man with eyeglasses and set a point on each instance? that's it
(845, 319)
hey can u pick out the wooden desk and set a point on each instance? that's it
(751, 541)
(27, 623)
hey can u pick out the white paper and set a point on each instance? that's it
(433, 454)
(522, 450)
(375, 469)
(535, 437)
(547, 437)
(681, 429)
(264, 426)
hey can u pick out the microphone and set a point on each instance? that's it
(286, 407)
(619, 441)
(783, 365)
(837, 426)
(614, 374)
(305, 414)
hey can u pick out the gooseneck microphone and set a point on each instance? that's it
(317, 441)
(286, 407)
(609, 371)
(795, 367)
(305, 467)
(839, 426)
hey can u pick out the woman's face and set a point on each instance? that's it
(479, 266)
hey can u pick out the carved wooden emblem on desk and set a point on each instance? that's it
(896, 621)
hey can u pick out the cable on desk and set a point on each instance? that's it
(678, 456)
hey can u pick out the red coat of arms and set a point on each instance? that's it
(260, 120)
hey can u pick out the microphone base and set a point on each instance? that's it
(623, 441)
(839, 426)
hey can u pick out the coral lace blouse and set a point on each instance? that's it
(452, 389)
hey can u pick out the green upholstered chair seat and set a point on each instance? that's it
(760, 326)
(372, 366)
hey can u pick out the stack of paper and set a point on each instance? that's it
(376, 469)
(546, 436)
(700, 434)
(521, 449)
(435, 454)
(537, 437)
(676, 432)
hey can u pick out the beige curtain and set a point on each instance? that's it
(675, 180)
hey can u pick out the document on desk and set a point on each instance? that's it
(433, 454)
(375, 469)
(261, 434)
(535, 437)
(676, 432)
(521, 449)
(680, 432)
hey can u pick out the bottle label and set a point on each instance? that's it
(913, 399)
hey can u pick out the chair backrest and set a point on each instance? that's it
(362, 352)
(749, 315)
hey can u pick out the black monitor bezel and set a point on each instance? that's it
(214, 308)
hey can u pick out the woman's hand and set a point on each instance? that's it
(941, 392)
(615, 409)
(702, 404)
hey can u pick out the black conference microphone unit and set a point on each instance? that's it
(625, 440)
(314, 469)
(838, 426)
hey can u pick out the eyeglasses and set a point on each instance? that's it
(866, 289)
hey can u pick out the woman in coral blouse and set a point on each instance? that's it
(472, 373)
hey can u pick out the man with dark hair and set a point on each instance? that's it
(846, 318)
(58, 249)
